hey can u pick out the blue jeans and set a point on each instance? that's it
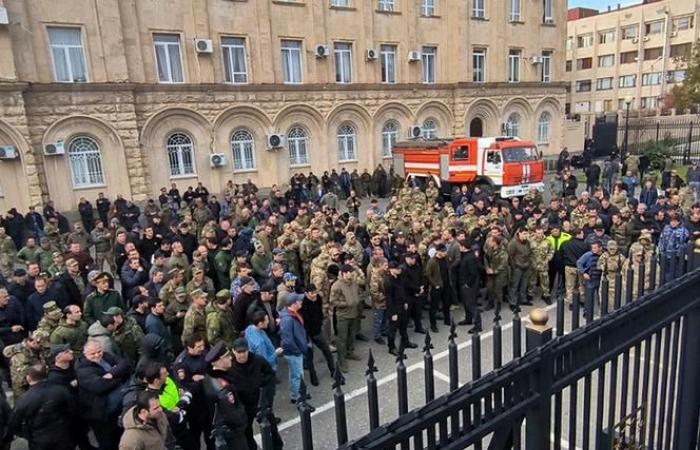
(295, 365)
(378, 324)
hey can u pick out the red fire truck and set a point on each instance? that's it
(508, 166)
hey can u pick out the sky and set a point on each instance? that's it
(601, 5)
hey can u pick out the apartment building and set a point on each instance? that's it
(127, 96)
(628, 55)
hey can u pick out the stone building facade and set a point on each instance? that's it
(122, 88)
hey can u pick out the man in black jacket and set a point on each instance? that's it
(11, 319)
(412, 279)
(101, 377)
(72, 284)
(469, 281)
(397, 308)
(44, 414)
(312, 313)
(571, 251)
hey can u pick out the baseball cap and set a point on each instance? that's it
(289, 276)
(292, 298)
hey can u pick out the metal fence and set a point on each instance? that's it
(625, 363)
(682, 135)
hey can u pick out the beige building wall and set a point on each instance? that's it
(657, 52)
(128, 113)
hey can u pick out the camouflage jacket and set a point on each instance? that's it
(195, 323)
(542, 253)
(219, 325)
(21, 358)
(75, 335)
(129, 337)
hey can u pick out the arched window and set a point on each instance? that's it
(390, 134)
(243, 148)
(85, 162)
(180, 155)
(543, 124)
(513, 125)
(298, 143)
(430, 129)
(346, 142)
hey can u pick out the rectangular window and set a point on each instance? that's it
(681, 51)
(568, 65)
(655, 27)
(650, 102)
(514, 66)
(386, 5)
(546, 69)
(607, 105)
(651, 54)
(514, 13)
(341, 3)
(606, 37)
(67, 54)
(291, 61)
(584, 63)
(428, 57)
(387, 54)
(682, 23)
(606, 60)
(630, 32)
(569, 43)
(651, 79)
(628, 57)
(583, 86)
(584, 40)
(628, 81)
(675, 76)
(548, 11)
(168, 58)
(603, 84)
(479, 9)
(479, 65)
(427, 8)
(343, 62)
(234, 60)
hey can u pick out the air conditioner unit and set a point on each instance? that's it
(217, 160)
(536, 60)
(413, 56)
(55, 148)
(371, 54)
(415, 131)
(8, 152)
(203, 45)
(321, 51)
(646, 38)
(275, 141)
(635, 40)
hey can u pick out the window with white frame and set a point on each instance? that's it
(168, 58)
(514, 10)
(512, 127)
(584, 40)
(243, 149)
(676, 76)
(428, 57)
(606, 60)
(583, 85)
(430, 128)
(543, 125)
(67, 54)
(346, 142)
(654, 27)
(342, 52)
(386, 5)
(427, 8)
(548, 11)
(651, 78)
(606, 37)
(387, 54)
(604, 84)
(298, 145)
(234, 52)
(546, 67)
(479, 65)
(85, 162)
(629, 32)
(650, 102)
(390, 134)
(479, 9)
(514, 65)
(628, 81)
(341, 3)
(291, 61)
(682, 23)
(180, 154)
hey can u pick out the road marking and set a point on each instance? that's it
(389, 378)
(441, 376)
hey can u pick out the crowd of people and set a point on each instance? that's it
(165, 325)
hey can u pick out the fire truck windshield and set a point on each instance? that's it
(520, 154)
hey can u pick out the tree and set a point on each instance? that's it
(687, 95)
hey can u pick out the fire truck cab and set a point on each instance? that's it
(508, 166)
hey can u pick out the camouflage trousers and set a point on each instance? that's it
(571, 276)
(538, 278)
(7, 268)
(101, 258)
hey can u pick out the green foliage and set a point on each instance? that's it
(657, 152)
(687, 95)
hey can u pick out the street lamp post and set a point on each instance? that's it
(628, 102)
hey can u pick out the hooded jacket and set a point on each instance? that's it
(138, 435)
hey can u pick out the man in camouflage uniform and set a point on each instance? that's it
(497, 270)
(178, 260)
(220, 320)
(52, 232)
(222, 264)
(610, 264)
(58, 266)
(103, 248)
(71, 330)
(431, 193)
(637, 256)
(51, 318)
(376, 271)
(309, 249)
(176, 280)
(353, 247)
(80, 236)
(8, 252)
(195, 318)
(28, 253)
(174, 315)
(127, 334)
(542, 254)
(579, 216)
(45, 254)
(21, 356)
(645, 245)
(200, 281)
(619, 232)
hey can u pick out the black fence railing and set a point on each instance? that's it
(681, 135)
(631, 342)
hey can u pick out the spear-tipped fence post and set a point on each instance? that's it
(653, 266)
(341, 422)
(617, 297)
(265, 425)
(402, 387)
(641, 277)
(429, 376)
(629, 287)
(305, 410)
(588, 303)
(372, 397)
(517, 333)
(604, 295)
(476, 356)
(575, 307)
(497, 342)
(452, 357)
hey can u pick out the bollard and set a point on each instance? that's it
(538, 417)
(452, 357)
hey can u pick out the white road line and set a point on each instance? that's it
(441, 376)
(387, 379)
